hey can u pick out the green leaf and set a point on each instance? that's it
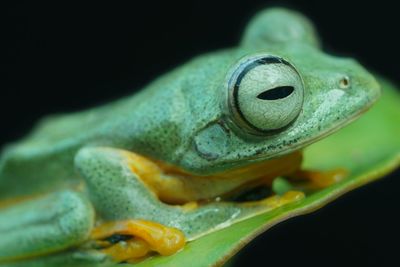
(369, 148)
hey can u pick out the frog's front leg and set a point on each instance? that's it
(44, 225)
(128, 206)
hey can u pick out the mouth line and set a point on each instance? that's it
(312, 140)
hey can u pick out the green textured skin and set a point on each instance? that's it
(180, 118)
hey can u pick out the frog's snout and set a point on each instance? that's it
(361, 84)
(349, 79)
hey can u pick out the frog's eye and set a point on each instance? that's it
(265, 94)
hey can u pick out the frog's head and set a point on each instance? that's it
(280, 94)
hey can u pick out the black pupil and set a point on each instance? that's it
(276, 93)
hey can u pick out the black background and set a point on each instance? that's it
(64, 56)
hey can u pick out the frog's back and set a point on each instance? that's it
(44, 160)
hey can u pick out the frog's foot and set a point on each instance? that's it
(320, 179)
(274, 201)
(132, 250)
(277, 201)
(134, 239)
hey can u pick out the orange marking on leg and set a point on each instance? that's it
(167, 188)
(276, 201)
(164, 240)
(175, 186)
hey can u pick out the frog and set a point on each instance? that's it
(150, 172)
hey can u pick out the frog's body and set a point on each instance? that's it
(189, 140)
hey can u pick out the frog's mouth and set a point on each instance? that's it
(241, 179)
(213, 164)
(229, 162)
(314, 138)
(288, 164)
(219, 146)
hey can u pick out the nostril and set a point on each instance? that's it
(276, 93)
(344, 82)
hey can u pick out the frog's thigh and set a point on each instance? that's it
(116, 191)
(121, 198)
(119, 194)
(44, 225)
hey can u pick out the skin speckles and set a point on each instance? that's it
(259, 151)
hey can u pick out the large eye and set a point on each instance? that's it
(265, 94)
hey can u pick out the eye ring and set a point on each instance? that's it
(277, 93)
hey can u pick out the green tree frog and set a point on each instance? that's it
(149, 172)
